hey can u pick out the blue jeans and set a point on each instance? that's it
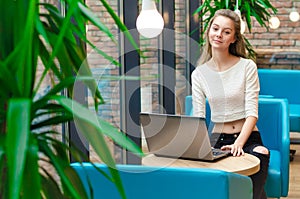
(258, 179)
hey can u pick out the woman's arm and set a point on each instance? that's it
(249, 125)
(251, 108)
(198, 95)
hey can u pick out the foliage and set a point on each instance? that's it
(261, 10)
(31, 33)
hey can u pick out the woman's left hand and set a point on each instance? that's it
(235, 149)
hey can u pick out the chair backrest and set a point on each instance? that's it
(273, 122)
(188, 105)
(189, 110)
(281, 83)
(153, 182)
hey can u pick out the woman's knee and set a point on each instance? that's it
(261, 149)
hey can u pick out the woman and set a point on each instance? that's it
(230, 83)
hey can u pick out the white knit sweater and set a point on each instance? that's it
(232, 94)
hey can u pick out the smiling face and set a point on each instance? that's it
(221, 33)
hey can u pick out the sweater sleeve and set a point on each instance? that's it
(251, 90)
(198, 95)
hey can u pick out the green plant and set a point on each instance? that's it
(261, 10)
(31, 33)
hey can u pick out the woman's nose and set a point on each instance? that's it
(219, 34)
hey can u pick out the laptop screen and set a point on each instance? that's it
(178, 136)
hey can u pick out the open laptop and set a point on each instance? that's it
(178, 136)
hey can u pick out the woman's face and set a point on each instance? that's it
(221, 33)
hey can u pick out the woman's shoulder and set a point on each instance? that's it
(200, 68)
(200, 72)
(248, 61)
(249, 64)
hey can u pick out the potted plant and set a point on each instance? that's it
(36, 34)
(261, 10)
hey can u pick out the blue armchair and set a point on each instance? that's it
(273, 123)
(283, 83)
(161, 183)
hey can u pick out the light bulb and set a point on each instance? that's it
(274, 22)
(294, 16)
(149, 22)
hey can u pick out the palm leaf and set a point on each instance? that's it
(30, 35)
(60, 166)
(83, 114)
(31, 180)
(17, 142)
(122, 27)
(95, 21)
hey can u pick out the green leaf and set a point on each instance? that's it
(40, 28)
(31, 180)
(64, 28)
(93, 18)
(83, 114)
(248, 16)
(50, 188)
(92, 128)
(52, 121)
(60, 165)
(3, 165)
(6, 78)
(200, 8)
(27, 56)
(18, 124)
(98, 142)
(76, 181)
(122, 27)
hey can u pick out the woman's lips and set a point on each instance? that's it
(217, 41)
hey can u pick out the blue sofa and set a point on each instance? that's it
(283, 83)
(161, 183)
(273, 124)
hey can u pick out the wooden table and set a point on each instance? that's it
(245, 165)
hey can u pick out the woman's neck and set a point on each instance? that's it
(221, 61)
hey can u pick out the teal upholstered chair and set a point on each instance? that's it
(273, 123)
(161, 183)
(283, 83)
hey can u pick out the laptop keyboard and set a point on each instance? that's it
(217, 152)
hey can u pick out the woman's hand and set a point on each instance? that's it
(235, 149)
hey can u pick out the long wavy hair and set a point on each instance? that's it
(238, 48)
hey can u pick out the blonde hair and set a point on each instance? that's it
(238, 48)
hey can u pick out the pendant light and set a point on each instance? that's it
(238, 12)
(274, 22)
(294, 15)
(149, 22)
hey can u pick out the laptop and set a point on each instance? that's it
(178, 136)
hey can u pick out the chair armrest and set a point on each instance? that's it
(285, 152)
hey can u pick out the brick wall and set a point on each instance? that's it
(102, 67)
(278, 48)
